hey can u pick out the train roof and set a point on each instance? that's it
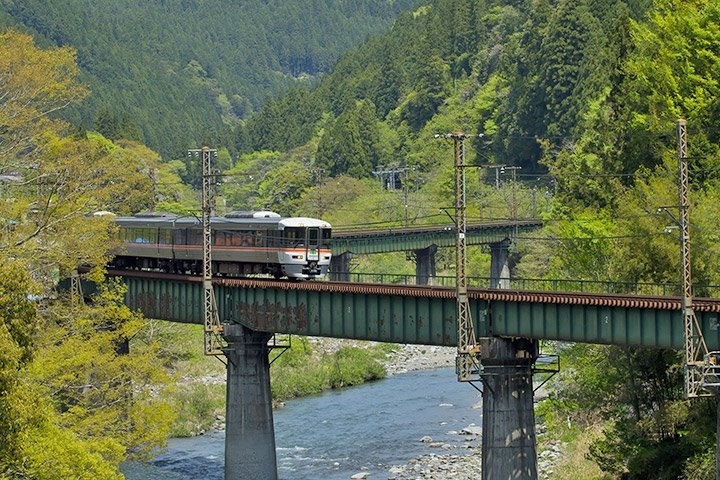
(220, 222)
(303, 222)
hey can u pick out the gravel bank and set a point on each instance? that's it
(411, 358)
(443, 461)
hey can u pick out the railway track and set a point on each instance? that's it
(519, 296)
(338, 233)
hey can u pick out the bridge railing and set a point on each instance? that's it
(541, 284)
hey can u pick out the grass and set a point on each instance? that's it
(301, 371)
(197, 406)
(574, 464)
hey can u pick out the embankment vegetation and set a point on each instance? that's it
(308, 367)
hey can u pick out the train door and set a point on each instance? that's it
(312, 244)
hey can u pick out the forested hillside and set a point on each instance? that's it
(584, 96)
(170, 72)
(519, 70)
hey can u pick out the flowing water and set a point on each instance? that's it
(338, 434)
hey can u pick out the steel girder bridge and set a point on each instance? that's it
(399, 239)
(421, 314)
(508, 324)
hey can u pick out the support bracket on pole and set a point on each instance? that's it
(467, 366)
(214, 342)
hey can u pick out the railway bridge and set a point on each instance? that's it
(423, 242)
(510, 323)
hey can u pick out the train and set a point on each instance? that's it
(243, 243)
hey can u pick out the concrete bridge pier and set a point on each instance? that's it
(508, 441)
(425, 265)
(499, 265)
(249, 430)
(340, 267)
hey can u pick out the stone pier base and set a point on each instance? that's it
(508, 443)
(249, 430)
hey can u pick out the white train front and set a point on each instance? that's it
(243, 243)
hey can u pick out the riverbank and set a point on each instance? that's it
(465, 464)
(402, 358)
(445, 461)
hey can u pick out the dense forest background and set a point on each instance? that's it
(578, 100)
(175, 73)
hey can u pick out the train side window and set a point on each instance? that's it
(165, 237)
(241, 239)
(195, 237)
(247, 239)
(141, 235)
(179, 237)
(260, 238)
(227, 238)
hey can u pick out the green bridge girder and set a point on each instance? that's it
(424, 315)
(404, 239)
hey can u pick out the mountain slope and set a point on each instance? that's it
(180, 69)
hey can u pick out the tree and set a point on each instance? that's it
(566, 50)
(35, 84)
(429, 93)
(282, 187)
(671, 75)
(351, 144)
(71, 406)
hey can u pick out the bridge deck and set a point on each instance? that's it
(423, 314)
(419, 237)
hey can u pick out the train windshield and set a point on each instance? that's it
(298, 236)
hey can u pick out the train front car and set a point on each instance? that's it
(305, 247)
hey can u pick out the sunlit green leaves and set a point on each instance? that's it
(675, 63)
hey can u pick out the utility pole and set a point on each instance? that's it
(702, 367)
(695, 347)
(466, 365)
(213, 328)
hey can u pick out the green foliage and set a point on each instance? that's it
(174, 72)
(350, 144)
(669, 75)
(99, 390)
(196, 405)
(353, 366)
(649, 430)
(268, 181)
(73, 403)
(299, 372)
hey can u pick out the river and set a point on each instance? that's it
(340, 433)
